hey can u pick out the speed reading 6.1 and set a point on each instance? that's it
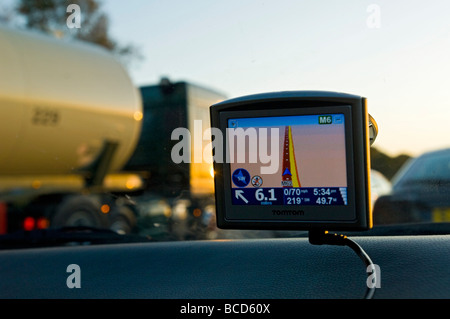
(290, 196)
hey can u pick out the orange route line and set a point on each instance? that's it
(286, 164)
(293, 162)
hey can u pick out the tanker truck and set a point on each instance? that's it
(81, 145)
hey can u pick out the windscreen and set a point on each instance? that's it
(288, 160)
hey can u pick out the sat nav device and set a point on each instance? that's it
(296, 160)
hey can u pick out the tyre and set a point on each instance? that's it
(123, 220)
(78, 211)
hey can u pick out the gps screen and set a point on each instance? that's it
(288, 160)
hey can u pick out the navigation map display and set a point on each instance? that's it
(289, 160)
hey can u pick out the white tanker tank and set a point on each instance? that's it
(69, 116)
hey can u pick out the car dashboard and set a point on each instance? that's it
(270, 268)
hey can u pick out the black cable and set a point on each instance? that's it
(319, 237)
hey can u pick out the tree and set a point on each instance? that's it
(52, 16)
(385, 164)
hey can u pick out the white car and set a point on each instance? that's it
(380, 185)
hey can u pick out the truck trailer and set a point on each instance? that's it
(81, 145)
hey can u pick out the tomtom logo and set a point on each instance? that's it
(288, 212)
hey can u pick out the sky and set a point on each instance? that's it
(393, 52)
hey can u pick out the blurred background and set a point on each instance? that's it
(394, 53)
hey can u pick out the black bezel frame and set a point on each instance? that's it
(354, 216)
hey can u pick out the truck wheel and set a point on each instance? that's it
(123, 220)
(78, 211)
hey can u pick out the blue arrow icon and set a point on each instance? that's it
(287, 172)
